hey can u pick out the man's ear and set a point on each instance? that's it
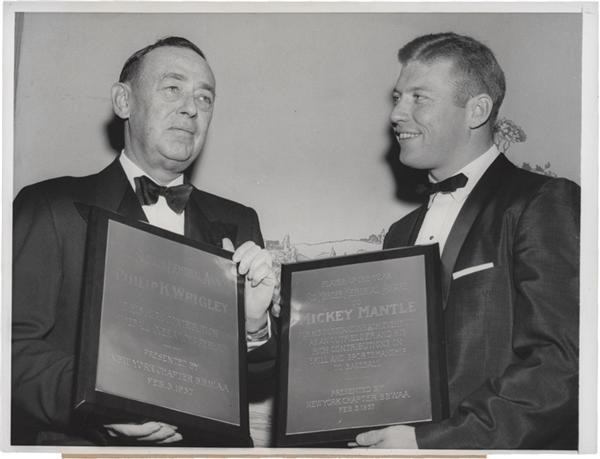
(121, 100)
(479, 109)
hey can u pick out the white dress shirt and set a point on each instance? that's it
(443, 207)
(158, 214)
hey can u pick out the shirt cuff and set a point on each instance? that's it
(259, 337)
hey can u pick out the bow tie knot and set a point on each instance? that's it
(445, 186)
(148, 192)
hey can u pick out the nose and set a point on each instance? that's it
(188, 106)
(400, 112)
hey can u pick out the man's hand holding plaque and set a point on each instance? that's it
(149, 432)
(256, 265)
(402, 437)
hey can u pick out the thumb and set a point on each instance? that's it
(227, 244)
(369, 438)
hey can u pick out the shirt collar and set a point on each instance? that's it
(132, 170)
(474, 171)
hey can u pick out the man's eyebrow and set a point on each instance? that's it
(418, 88)
(413, 89)
(175, 76)
(207, 86)
(180, 77)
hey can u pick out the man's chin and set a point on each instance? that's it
(413, 160)
(180, 158)
(408, 157)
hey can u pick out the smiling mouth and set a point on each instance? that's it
(407, 135)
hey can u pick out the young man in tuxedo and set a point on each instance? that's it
(165, 96)
(509, 246)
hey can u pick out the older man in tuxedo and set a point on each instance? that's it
(509, 243)
(165, 96)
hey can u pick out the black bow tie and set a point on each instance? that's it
(450, 184)
(176, 196)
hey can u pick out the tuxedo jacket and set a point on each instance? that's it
(48, 257)
(510, 289)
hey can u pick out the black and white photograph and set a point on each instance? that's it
(285, 228)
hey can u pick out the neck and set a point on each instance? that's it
(159, 175)
(463, 158)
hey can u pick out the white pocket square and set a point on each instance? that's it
(471, 270)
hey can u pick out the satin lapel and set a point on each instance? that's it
(197, 226)
(421, 211)
(404, 233)
(113, 192)
(473, 206)
(130, 206)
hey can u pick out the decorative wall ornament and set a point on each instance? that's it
(285, 251)
(506, 132)
(545, 169)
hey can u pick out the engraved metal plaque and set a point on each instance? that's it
(163, 330)
(361, 345)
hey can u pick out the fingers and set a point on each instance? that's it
(241, 250)
(172, 439)
(389, 437)
(354, 445)
(370, 438)
(253, 262)
(260, 271)
(133, 430)
(252, 259)
(166, 434)
(156, 432)
(244, 255)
